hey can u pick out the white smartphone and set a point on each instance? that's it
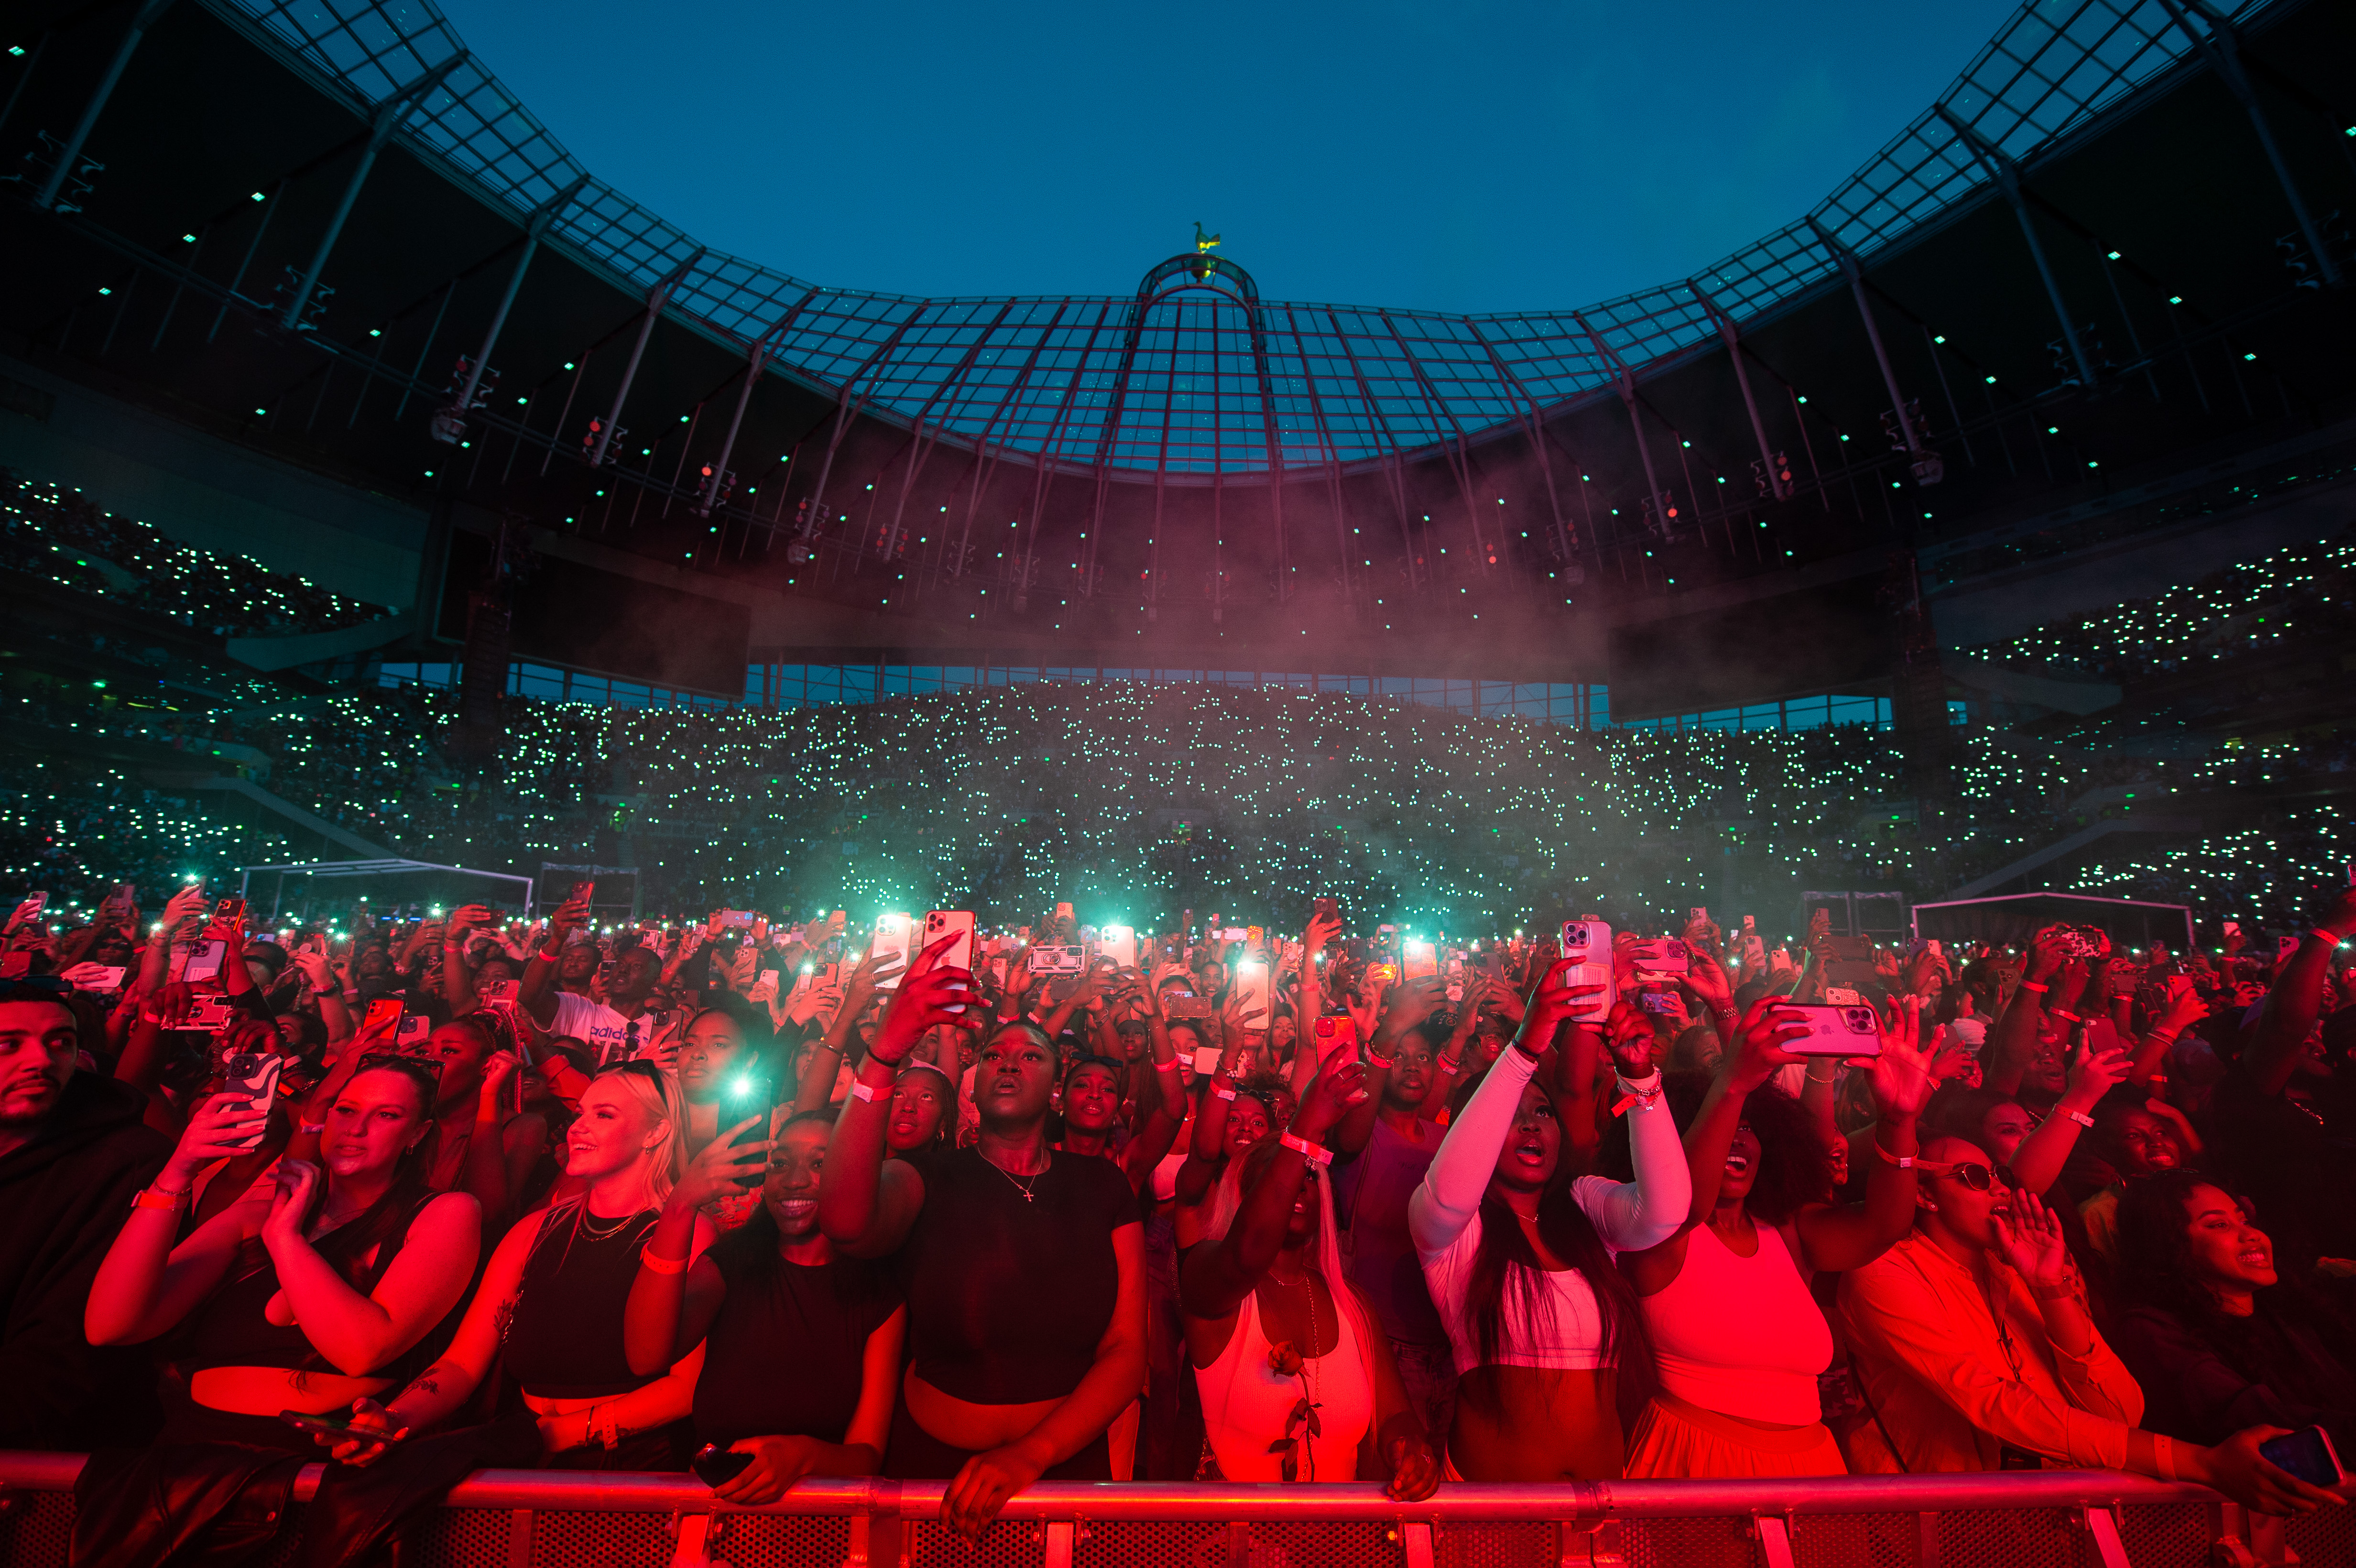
(204, 961)
(1119, 943)
(1251, 993)
(1587, 958)
(1658, 960)
(892, 934)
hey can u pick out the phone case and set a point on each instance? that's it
(1659, 959)
(256, 1076)
(941, 922)
(1587, 961)
(1835, 1028)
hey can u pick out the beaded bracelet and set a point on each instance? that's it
(1631, 1096)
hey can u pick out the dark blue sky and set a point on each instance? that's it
(1479, 154)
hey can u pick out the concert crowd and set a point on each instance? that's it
(1224, 1203)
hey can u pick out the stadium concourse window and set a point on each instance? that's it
(784, 686)
(1799, 713)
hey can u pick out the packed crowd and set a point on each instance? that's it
(762, 1202)
(63, 537)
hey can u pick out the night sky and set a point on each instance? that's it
(1478, 155)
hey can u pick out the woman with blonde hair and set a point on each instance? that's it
(550, 1313)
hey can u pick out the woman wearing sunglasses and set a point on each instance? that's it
(1975, 1352)
(324, 1286)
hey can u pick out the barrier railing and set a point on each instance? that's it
(2053, 1518)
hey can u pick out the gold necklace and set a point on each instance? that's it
(1021, 1186)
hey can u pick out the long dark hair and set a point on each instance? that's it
(2156, 1271)
(1505, 1265)
(1794, 1170)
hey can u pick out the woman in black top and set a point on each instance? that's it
(550, 1308)
(801, 1346)
(2217, 1338)
(1024, 1270)
(329, 1283)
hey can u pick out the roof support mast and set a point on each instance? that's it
(2223, 50)
(389, 116)
(2006, 175)
(656, 297)
(453, 422)
(1742, 379)
(1653, 492)
(147, 17)
(1927, 469)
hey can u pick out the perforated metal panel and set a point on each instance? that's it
(2029, 1538)
(36, 1528)
(1009, 1544)
(592, 1541)
(1690, 1544)
(1856, 1540)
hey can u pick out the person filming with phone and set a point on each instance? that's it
(801, 1344)
(1025, 1269)
(329, 1284)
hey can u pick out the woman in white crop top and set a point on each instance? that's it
(1736, 1335)
(1518, 1252)
(1297, 1379)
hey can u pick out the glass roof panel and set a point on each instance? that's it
(1184, 381)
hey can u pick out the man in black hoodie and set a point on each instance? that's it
(73, 1149)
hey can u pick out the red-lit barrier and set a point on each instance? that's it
(2058, 1519)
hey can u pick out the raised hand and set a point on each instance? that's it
(1339, 1084)
(1901, 1078)
(1756, 1049)
(2032, 1241)
(1628, 1035)
(289, 1205)
(2095, 1073)
(727, 1167)
(222, 1126)
(930, 995)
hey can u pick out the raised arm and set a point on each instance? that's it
(817, 1087)
(678, 1288)
(867, 1203)
(2012, 1038)
(1836, 1237)
(2037, 1164)
(2296, 999)
(1220, 1273)
(536, 992)
(145, 1284)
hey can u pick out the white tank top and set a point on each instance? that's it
(1246, 1404)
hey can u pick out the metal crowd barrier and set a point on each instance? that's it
(2053, 1518)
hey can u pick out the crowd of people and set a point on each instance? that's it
(763, 1200)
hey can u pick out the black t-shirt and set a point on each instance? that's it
(1007, 1297)
(2287, 1154)
(784, 1353)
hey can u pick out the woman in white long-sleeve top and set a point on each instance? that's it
(1518, 1252)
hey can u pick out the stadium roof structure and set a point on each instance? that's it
(2090, 296)
(1194, 373)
